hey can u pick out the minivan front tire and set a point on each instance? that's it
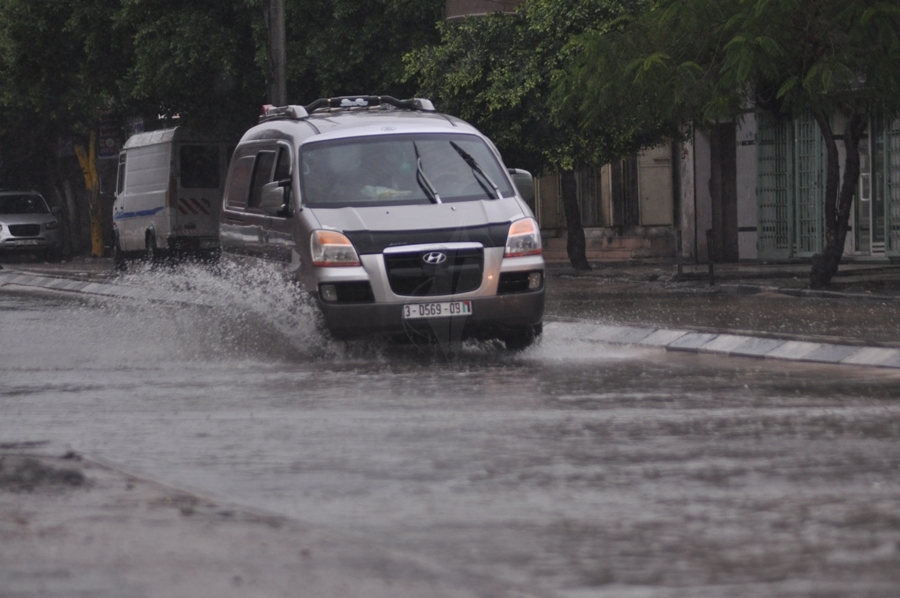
(520, 338)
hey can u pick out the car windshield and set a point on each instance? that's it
(22, 204)
(400, 169)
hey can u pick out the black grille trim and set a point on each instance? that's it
(410, 276)
(24, 230)
(367, 242)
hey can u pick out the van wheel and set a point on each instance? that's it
(151, 251)
(118, 257)
(519, 339)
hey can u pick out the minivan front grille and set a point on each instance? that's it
(411, 274)
(24, 230)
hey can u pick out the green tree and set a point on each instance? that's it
(203, 60)
(708, 59)
(59, 66)
(344, 47)
(64, 62)
(498, 72)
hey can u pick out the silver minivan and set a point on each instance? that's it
(399, 220)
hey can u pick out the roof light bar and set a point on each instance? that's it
(294, 112)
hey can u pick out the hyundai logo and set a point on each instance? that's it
(434, 258)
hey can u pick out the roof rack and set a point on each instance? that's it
(296, 112)
(348, 102)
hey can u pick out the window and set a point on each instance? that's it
(262, 174)
(239, 185)
(400, 169)
(199, 166)
(120, 177)
(283, 166)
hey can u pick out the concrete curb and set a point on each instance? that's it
(11, 278)
(750, 289)
(739, 345)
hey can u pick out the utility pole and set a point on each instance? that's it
(275, 52)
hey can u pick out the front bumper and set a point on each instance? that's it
(491, 316)
(10, 244)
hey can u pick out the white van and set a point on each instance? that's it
(169, 194)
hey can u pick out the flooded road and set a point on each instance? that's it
(575, 469)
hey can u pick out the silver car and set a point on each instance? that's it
(398, 219)
(27, 224)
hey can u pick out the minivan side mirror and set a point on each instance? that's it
(524, 183)
(276, 197)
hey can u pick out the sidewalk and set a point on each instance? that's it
(860, 279)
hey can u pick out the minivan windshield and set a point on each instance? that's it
(22, 204)
(400, 169)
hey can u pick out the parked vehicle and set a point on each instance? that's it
(169, 194)
(398, 219)
(27, 224)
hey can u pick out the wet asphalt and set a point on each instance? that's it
(573, 469)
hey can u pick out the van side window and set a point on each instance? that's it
(199, 166)
(239, 184)
(262, 174)
(120, 175)
(283, 167)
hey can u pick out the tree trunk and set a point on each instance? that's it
(576, 244)
(837, 208)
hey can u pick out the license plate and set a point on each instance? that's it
(21, 242)
(411, 311)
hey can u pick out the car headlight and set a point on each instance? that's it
(51, 225)
(330, 248)
(524, 238)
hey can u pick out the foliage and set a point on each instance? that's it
(649, 76)
(58, 69)
(198, 59)
(497, 72)
(344, 47)
(66, 63)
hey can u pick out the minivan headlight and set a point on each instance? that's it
(331, 248)
(524, 238)
(51, 225)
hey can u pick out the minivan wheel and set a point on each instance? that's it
(519, 339)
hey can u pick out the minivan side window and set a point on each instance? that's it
(120, 175)
(199, 166)
(239, 184)
(283, 167)
(262, 174)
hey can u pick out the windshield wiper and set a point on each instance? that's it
(476, 169)
(423, 181)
